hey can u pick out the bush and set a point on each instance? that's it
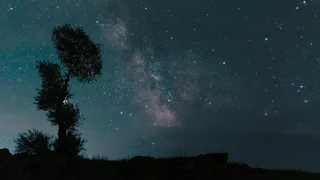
(32, 142)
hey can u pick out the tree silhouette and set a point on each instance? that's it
(80, 58)
(32, 142)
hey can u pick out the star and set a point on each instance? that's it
(65, 101)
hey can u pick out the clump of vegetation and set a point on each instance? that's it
(33, 142)
(99, 157)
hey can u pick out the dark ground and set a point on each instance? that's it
(210, 166)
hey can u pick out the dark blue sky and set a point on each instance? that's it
(192, 76)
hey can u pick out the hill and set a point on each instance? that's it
(210, 166)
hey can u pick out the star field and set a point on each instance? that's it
(194, 76)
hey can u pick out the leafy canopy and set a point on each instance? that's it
(77, 52)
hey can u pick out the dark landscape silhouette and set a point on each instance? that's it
(43, 156)
(51, 165)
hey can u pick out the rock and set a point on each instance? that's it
(5, 158)
(5, 153)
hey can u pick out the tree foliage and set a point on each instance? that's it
(52, 88)
(77, 52)
(74, 143)
(32, 142)
(68, 114)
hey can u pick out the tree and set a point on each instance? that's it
(32, 142)
(80, 57)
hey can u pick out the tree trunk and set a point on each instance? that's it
(62, 136)
(62, 129)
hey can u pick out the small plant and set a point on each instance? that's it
(83, 155)
(99, 157)
(180, 153)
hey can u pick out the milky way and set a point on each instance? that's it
(160, 83)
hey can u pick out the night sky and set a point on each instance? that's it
(236, 76)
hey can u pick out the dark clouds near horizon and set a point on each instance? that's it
(192, 76)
